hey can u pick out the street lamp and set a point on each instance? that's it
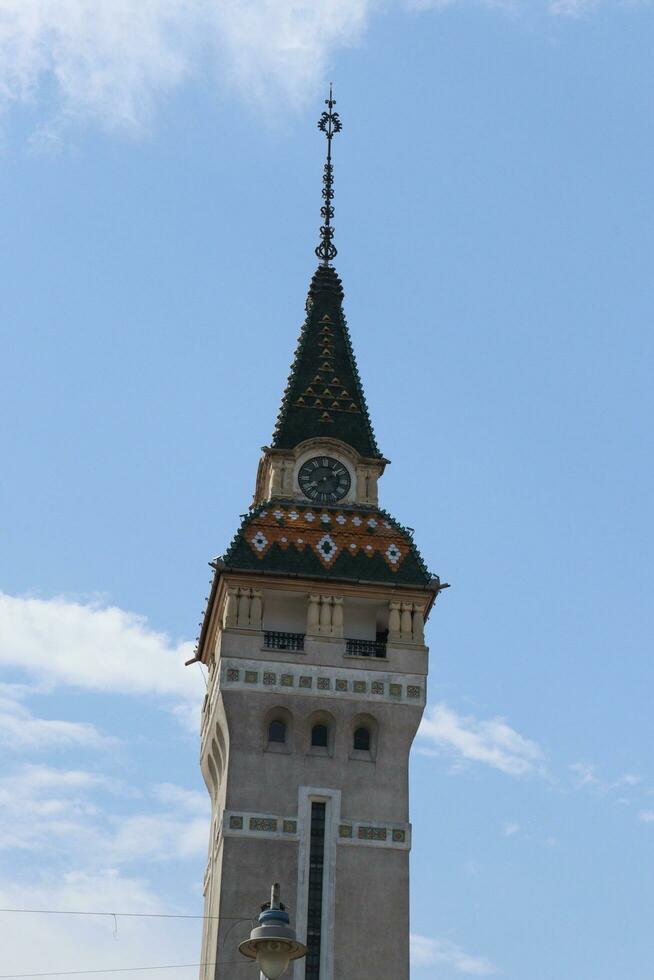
(272, 943)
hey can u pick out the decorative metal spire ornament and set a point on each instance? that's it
(330, 124)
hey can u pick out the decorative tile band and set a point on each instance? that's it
(272, 827)
(236, 674)
(376, 835)
(264, 825)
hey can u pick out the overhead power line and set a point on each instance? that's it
(122, 969)
(130, 915)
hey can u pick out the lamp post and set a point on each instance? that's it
(272, 943)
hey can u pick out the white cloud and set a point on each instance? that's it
(511, 828)
(20, 730)
(557, 8)
(493, 742)
(646, 816)
(185, 799)
(114, 61)
(585, 776)
(572, 8)
(62, 811)
(628, 779)
(157, 837)
(444, 952)
(96, 648)
(35, 943)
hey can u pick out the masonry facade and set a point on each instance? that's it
(313, 637)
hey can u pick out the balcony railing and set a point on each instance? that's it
(274, 640)
(365, 648)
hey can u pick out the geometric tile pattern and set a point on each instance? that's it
(327, 533)
(323, 395)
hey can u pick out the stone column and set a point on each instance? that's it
(406, 626)
(229, 618)
(287, 478)
(325, 614)
(337, 617)
(393, 621)
(243, 615)
(418, 623)
(276, 481)
(256, 609)
(313, 615)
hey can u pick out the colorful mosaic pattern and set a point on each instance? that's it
(264, 824)
(372, 833)
(347, 542)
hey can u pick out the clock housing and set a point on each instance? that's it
(324, 479)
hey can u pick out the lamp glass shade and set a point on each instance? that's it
(273, 958)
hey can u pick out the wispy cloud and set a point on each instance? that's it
(20, 730)
(35, 943)
(46, 810)
(554, 8)
(113, 62)
(572, 8)
(443, 952)
(465, 738)
(646, 816)
(585, 775)
(511, 828)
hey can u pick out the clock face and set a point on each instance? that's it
(324, 479)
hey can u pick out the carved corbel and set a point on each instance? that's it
(418, 623)
(256, 609)
(325, 614)
(337, 616)
(393, 621)
(231, 608)
(313, 615)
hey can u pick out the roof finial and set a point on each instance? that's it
(330, 124)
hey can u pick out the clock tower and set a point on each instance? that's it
(313, 636)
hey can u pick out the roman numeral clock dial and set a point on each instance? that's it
(324, 479)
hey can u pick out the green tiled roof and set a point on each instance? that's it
(360, 544)
(324, 396)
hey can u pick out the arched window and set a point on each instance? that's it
(362, 740)
(277, 731)
(320, 736)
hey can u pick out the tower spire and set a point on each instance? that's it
(330, 124)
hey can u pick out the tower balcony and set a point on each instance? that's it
(281, 640)
(365, 648)
(365, 626)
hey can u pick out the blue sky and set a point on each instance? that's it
(161, 177)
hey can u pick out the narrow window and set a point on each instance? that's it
(314, 908)
(319, 735)
(277, 731)
(362, 740)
